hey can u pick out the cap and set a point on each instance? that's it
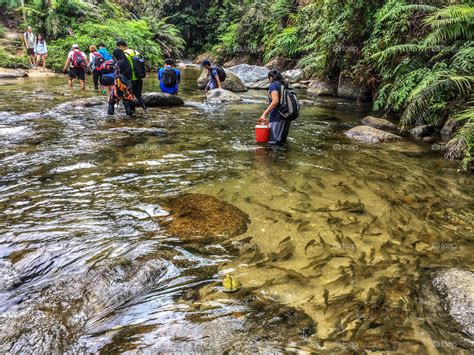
(206, 62)
(75, 46)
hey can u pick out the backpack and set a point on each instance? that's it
(169, 78)
(289, 105)
(107, 67)
(221, 73)
(78, 60)
(139, 67)
(106, 55)
(99, 60)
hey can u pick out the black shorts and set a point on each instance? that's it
(106, 80)
(77, 73)
(30, 51)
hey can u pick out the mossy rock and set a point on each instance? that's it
(205, 218)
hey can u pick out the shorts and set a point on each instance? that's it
(77, 73)
(30, 51)
(106, 80)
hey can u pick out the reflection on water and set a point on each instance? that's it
(339, 234)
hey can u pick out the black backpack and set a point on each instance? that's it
(139, 67)
(107, 67)
(169, 78)
(221, 74)
(289, 105)
(99, 60)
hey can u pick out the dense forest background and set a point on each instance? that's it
(415, 56)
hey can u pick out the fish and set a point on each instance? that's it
(304, 226)
(321, 240)
(309, 244)
(333, 220)
(285, 240)
(362, 258)
(372, 255)
(246, 240)
(292, 274)
(326, 297)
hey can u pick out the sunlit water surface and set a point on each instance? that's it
(86, 266)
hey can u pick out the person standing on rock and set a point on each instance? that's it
(76, 62)
(29, 39)
(169, 78)
(137, 63)
(279, 127)
(41, 50)
(213, 75)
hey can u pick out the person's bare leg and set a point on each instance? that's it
(83, 84)
(69, 82)
(44, 63)
(108, 89)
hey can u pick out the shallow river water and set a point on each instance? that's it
(340, 232)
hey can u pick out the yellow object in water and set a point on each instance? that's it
(231, 284)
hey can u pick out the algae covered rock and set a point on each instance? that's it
(204, 217)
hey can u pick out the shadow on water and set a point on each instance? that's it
(340, 232)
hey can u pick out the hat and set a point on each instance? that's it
(205, 63)
(75, 46)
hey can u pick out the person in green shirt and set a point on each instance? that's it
(137, 83)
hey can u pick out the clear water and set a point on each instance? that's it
(85, 264)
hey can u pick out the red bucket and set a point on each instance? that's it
(262, 132)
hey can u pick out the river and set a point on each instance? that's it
(340, 232)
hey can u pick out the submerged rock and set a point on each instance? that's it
(322, 88)
(379, 123)
(158, 99)
(220, 95)
(197, 217)
(135, 131)
(420, 132)
(231, 83)
(447, 297)
(371, 135)
(13, 74)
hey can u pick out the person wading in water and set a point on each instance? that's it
(279, 127)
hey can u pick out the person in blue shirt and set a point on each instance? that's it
(169, 78)
(279, 127)
(212, 74)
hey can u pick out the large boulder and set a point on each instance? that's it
(200, 58)
(447, 298)
(420, 132)
(12, 74)
(250, 74)
(220, 95)
(280, 63)
(231, 83)
(238, 60)
(347, 88)
(293, 76)
(449, 128)
(379, 123)
(322, 88)
(205, 218)
(371, 135)
(159, 99)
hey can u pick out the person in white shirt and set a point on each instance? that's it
(29, 39)
(41, 50)
(76, 63)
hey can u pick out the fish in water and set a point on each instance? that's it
(231, 284)
(285, 240)
(309, 244)
(326, 297)
(304, 226)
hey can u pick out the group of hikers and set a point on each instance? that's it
(120, 76)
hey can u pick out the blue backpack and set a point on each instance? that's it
(105, 54)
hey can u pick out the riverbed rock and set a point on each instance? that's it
(198, 217)
(221, 95)
(379, 123)
(371, 135)
(447, 296)
(12, 74)
(250, 73)
(159, 99)
(449, 128)
(201, 57)
(279, 63)
(322, 88)
(83, 103)
(293, 76)
(232, 82)
(420, 132)
(347, 88)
